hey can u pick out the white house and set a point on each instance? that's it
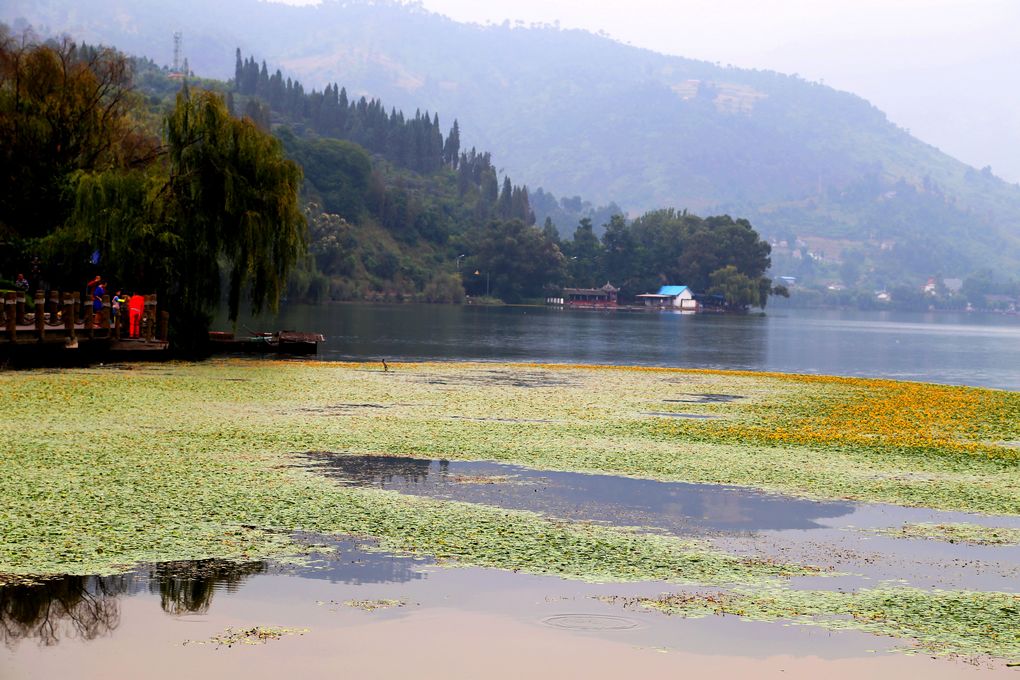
(670, 297)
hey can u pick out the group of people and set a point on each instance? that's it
(96, 289)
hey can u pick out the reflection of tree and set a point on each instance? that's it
(86, 607)
(373, 469)
(75, 606)
(187, 587)
(353, 563)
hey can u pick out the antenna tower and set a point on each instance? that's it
(178, 36)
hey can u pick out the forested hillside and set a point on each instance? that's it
(578, 114)
(392, 208)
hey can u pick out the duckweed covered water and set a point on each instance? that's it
(110, 468)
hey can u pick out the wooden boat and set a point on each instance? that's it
(277, 342)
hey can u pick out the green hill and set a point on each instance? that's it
(580, 114)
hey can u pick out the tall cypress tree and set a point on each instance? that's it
(238, 70)
(506, 199)
(451, 150)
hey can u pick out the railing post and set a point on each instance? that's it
(40, 314)
(54, 306)
(148, 320)
(12, 326)
(68, 300)
(21, 308)
(89, 321)
(125, 320)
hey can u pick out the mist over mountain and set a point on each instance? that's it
(819, 170)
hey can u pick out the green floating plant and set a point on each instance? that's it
(942, 622)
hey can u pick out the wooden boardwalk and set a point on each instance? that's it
(62, 318)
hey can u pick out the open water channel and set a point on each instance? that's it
(353, 611)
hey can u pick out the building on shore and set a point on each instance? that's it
(604, 297)
(669, 297)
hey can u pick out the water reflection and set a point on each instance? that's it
(83, 607)
(677, 507)
(358, 563)
(188, 587)
(86, 607)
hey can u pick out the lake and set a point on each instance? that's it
(961, 349)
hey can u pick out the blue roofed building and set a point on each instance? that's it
(670, 297)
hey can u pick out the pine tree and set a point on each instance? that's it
(262, 85)
(238, 70)
(506, 200)
(451, 151)
(435, 145)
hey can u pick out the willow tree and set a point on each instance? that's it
(220, 205)
(231, 202)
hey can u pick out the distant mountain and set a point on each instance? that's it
(820, 170)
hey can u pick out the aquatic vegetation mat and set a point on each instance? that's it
(190, 465)
(940, 622)
(956, 532)
(257, 635)
(373, 605)
(109, 467)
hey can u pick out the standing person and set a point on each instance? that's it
(115, 303)
(97, 297)
(91, 285)
(136, 305)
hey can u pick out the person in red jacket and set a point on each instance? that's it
(136, 304)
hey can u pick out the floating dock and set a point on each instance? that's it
(279, 342)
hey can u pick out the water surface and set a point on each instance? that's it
(837, 536)
(953, 348)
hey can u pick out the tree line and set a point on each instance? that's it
(414, 143)
(485, 225)
(95, 180)
(186, 199)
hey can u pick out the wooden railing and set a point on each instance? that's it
(65, 315)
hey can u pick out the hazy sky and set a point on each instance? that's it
(947, 70)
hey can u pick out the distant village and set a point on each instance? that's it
(831, 272)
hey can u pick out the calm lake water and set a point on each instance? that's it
(964, 349)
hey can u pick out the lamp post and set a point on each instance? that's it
(459, 258)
